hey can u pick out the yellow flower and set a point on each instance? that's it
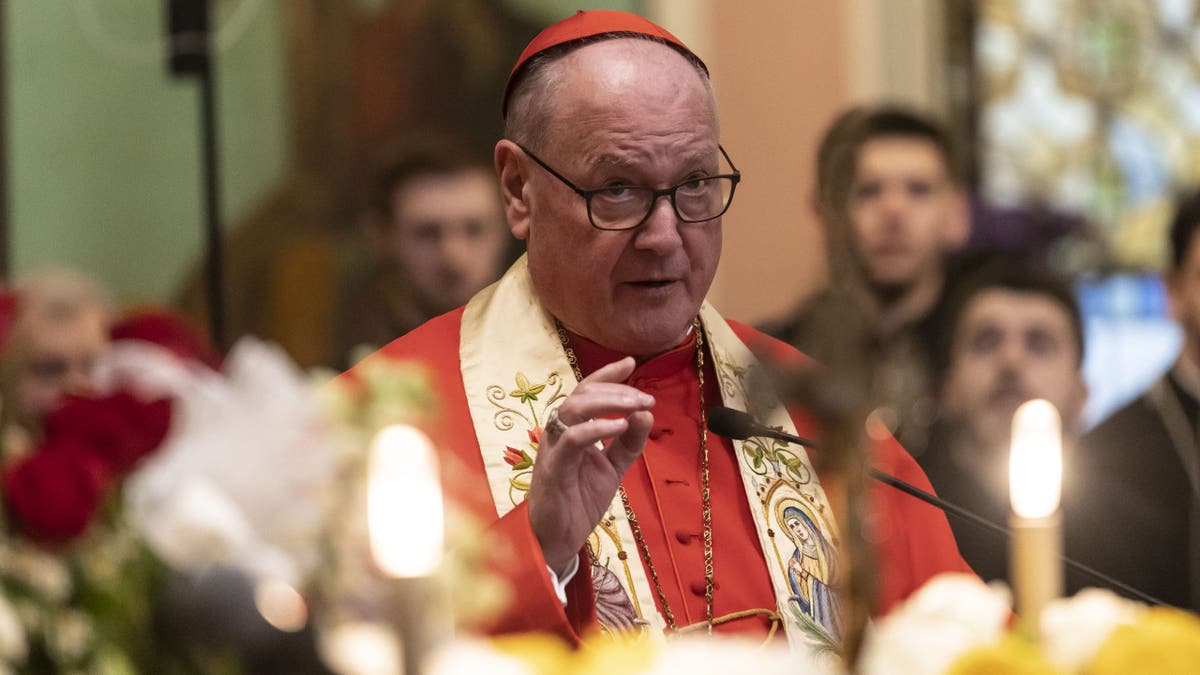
(598, 655)
(543, 653)
(605, 654)
(1011, 656)
(1163, 641)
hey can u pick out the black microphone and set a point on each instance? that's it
(739, 426)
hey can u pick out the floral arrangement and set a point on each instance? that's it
(603, 655)
(956, 624)
(185, 464)
(73, 574)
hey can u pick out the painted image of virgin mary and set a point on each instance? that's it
(810, 570)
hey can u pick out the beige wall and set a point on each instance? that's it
(783, 69)
(780, 74)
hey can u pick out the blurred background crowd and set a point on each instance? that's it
(1010, 187)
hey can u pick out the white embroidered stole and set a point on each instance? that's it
(515, 371)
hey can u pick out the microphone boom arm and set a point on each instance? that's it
(738, 425)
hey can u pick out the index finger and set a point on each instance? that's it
(616, 372)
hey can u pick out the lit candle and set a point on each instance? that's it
(1035, 486)
(404, 503)
(405, 521)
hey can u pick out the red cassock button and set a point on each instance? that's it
(685, 537)
(698, 588)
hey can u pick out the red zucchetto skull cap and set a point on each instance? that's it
(585, 24)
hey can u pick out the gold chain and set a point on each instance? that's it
(705, 497)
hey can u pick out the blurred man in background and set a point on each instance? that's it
(1014, 334)
(889, 187)
(1141, 467)
(434, 234)
(59, 324)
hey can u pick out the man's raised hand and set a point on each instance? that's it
(575, 478)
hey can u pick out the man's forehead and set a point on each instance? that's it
(1013, 306)
(612, 120)
(900, 152)
(626, 61)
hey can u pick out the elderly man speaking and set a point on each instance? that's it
(574, 390)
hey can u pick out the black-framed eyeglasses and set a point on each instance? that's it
(624, 207)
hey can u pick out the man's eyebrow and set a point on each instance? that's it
(612, 161)
(609, 160)
(702, 160)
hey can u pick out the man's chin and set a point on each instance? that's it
(444, 302)
(652, 335)
(992, 432)
(889, 287)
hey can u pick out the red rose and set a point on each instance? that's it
(54, 492)
(169, 330)
(119, 429)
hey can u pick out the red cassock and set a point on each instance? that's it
(913, 540)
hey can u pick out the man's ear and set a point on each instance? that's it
(514, 179)
(958, 222)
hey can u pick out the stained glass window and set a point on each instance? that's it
(1092, 107)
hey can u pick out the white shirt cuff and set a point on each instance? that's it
(560, 585)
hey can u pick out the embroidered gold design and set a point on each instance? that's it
(731, 377)
(610, 602)
(776, 458)
(522, 461)
(526, 391)
(506, 417)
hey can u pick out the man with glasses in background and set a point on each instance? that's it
(574, 391)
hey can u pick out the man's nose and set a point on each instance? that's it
(457, 249)
(659, 232)
(894, 200)
(1012, 353)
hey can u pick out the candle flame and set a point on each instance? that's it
(404, 503)
(1035, 465)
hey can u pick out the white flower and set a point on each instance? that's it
(246, 475)
(948, 616)
(468, 657)
(1073, 629)
(13, 645)
(198, 526)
